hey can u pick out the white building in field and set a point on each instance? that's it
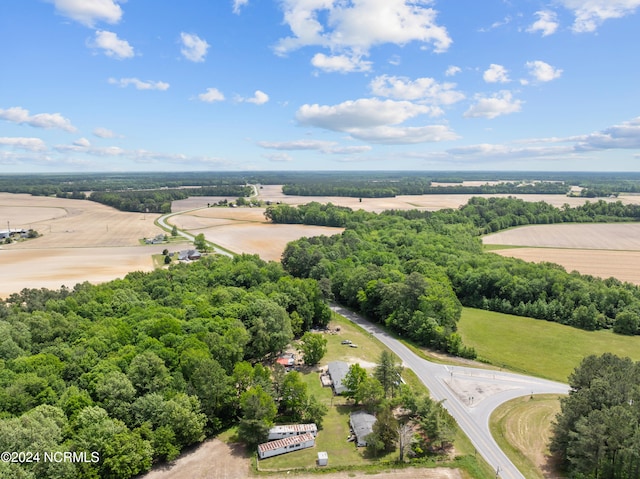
(288, 444)
(286, 430)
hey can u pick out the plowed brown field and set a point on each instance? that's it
(604, 250)
(81, 241)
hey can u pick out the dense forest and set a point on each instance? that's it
(413, 270)
(137, 369)
(597, 433)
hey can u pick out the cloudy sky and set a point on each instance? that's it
(220, 85)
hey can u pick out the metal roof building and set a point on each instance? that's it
(288, 444)
(362, 425)
(338, 370)
(286, 430)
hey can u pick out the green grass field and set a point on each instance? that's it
(537, 347)
(522, 429)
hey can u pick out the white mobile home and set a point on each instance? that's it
(286, 430)
(288, 444)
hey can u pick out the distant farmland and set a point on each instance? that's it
(602, 250)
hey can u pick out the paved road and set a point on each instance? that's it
(162, 221)
(470, 394)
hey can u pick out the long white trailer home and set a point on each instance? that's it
(288, 444)
(285, 430)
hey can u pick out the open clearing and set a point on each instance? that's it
(602, 250)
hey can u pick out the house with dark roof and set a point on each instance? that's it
(361, 423)
(338, 370)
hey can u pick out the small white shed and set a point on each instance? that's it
(323, 458)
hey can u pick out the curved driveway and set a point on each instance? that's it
(162, 221)
(470, 394)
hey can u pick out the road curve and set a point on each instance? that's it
(470, 394)
(162, 221)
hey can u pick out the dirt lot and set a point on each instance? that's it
(215, 459)
(81, 241)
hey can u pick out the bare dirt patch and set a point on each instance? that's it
(215, 459)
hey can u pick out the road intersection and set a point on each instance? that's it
(470, 394)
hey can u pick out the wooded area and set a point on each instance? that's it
(139, 368)
(597, 433)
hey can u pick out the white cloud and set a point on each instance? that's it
(424, 89)
(625, 135)
(30, 144)
(278, 157)
(82, 142)
(547, 23)
(238, 4)
(452, 70)
(357, 26)
(329, 147)
(590, 14)
(374, 120)
(543, 72)
(211, 95)
(404, 135)
(41, 120)
(496, 74)
(258, 98)
(362, 113)
(340, 63)
(501, 103)
(194, 48)
(103, 133)
(113, 46)
(139, 84)
(88, 12)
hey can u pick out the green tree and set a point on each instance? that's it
(148, 373)
(294, 395)
(389, 373)
(258, 412)
(313, 347)
(385, 433)
(352, 380)
(174, 231)
(201, 243)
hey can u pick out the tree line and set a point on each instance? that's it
(412, 270)
(417, 186)
(597, 433)
(159, 201)
(139, 368)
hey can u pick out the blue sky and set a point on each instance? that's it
(223, 85)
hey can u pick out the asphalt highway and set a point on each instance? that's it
(470, 394)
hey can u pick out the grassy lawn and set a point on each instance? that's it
(537, 347)
(522, 429)
(332, 438)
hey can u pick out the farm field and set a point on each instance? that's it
(81, 241)
(506, 341)
(602, 250)
(423, 202)
(246, 230)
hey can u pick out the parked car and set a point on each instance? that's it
(346, 341)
